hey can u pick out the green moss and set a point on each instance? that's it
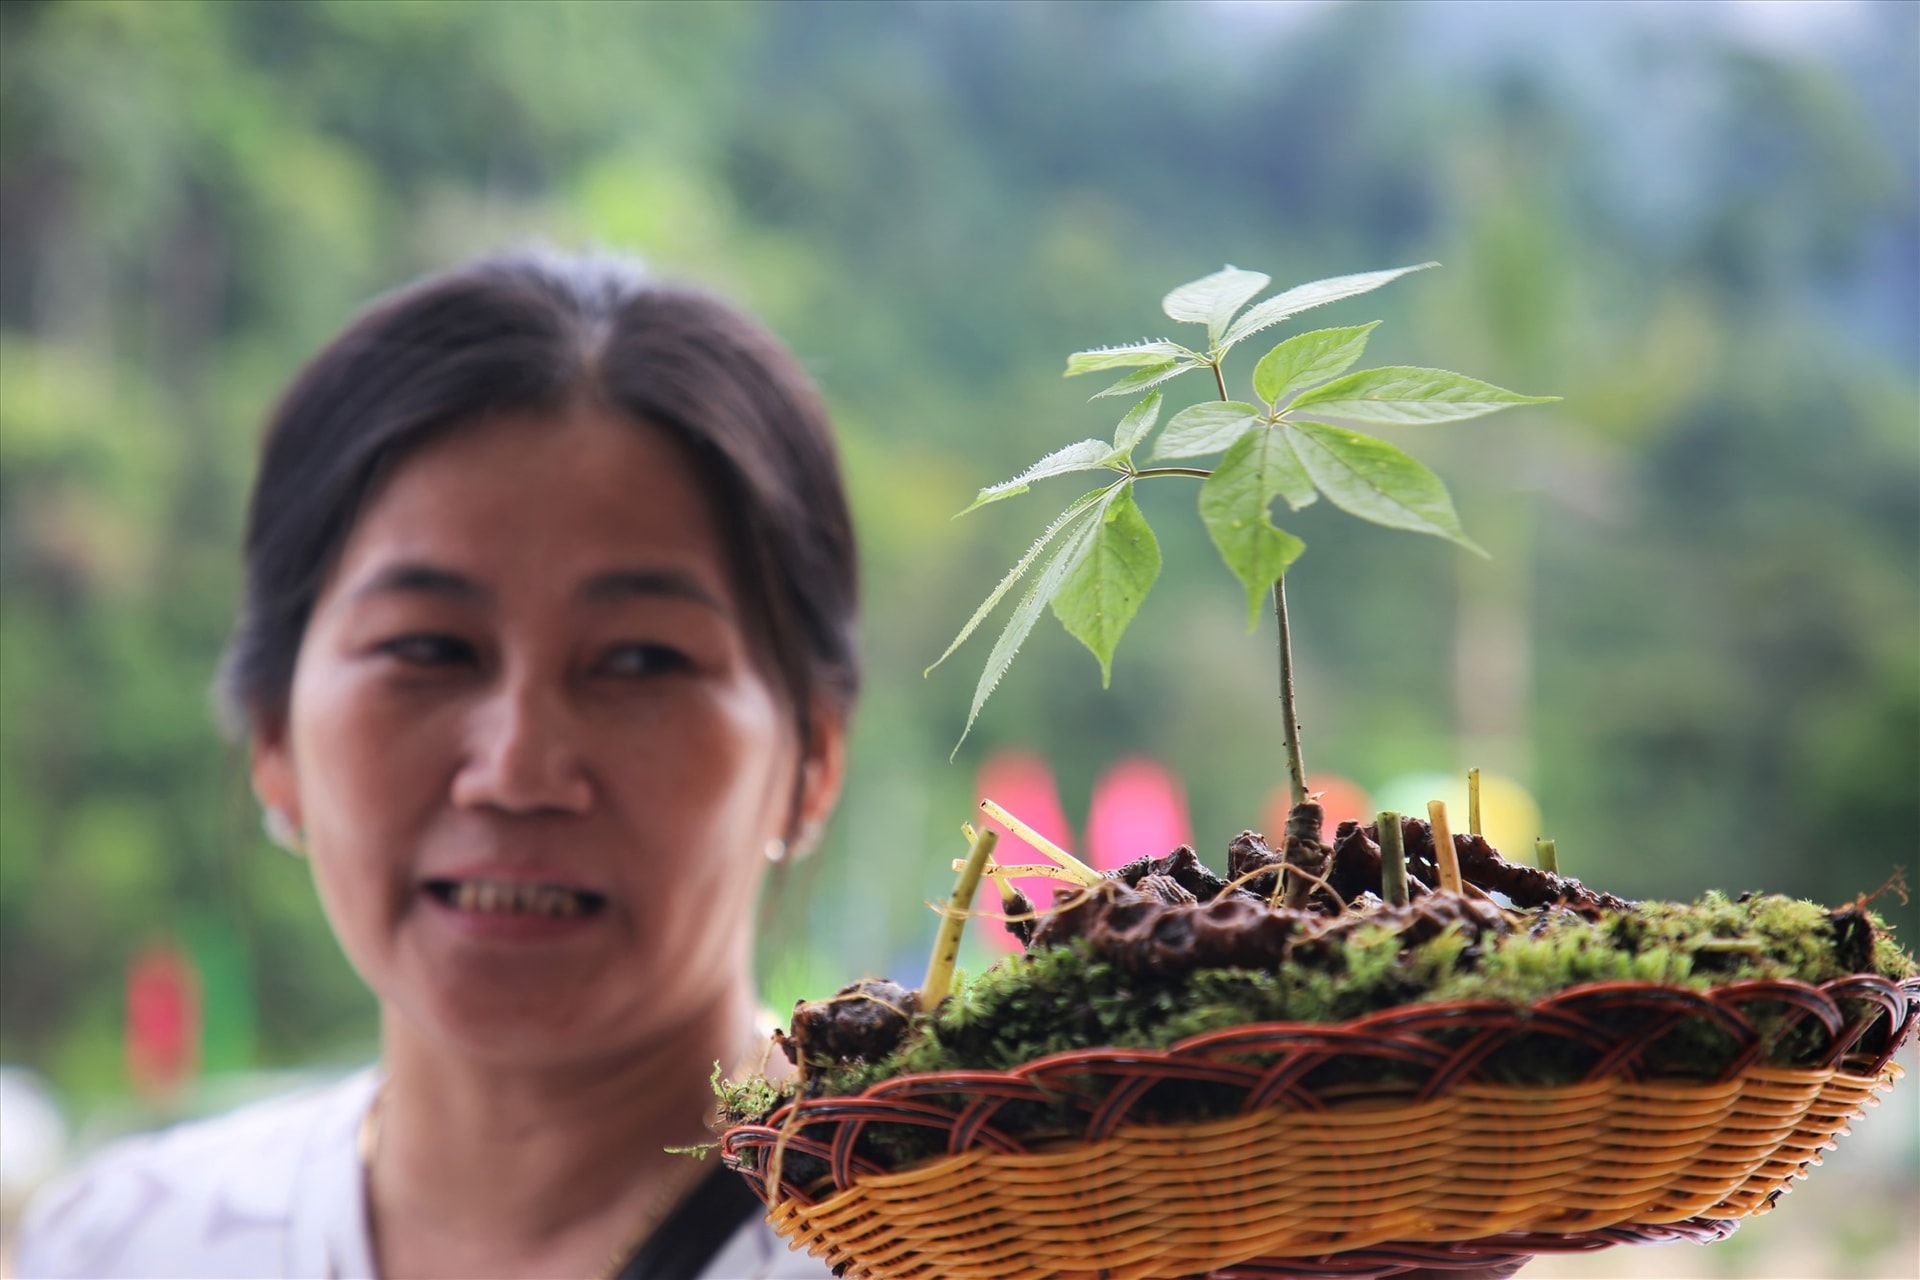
(747, 1100)
(1052, 1001)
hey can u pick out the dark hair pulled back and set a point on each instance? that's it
(538, 332)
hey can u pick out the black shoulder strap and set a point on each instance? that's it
(695, 1232)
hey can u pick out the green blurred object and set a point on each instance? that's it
(1704, 603)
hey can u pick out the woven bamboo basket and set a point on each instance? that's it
(1359, 1149)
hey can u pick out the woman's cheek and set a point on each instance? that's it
(365, 775)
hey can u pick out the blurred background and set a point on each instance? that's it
(1694, 659)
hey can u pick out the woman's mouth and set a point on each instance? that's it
(516, 897)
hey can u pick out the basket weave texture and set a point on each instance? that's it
(1355, 1149)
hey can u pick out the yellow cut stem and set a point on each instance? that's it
(946, 943)
(1081, 872)
(1473, 802)
(1394, 890)
(1546, 856)
(1444, 854)
(1001, 871)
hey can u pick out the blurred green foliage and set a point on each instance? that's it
(1697, 640)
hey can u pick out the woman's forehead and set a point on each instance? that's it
(583, 501)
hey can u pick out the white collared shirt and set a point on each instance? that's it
(271, 1190)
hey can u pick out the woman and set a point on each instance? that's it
(546, 652)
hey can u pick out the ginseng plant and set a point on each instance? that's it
(1098, 558)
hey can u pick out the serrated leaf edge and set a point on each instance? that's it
(1426, 525)
(1246, 326)
(1019, 570)
(1154, 349)
(1151, 376)
(1110, 510)
(1319, 397)
(1255, 592)
(1160, 446)
(1143, 415)
(1025, 614)
(1289, 389)
(1021, 483)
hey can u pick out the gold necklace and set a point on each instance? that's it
(668, 1197)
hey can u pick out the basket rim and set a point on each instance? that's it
(1392, 1033)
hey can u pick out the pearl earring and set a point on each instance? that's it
(776, 851)
(281, 831)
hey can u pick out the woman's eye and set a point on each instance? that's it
(629, 661)
(429, 650)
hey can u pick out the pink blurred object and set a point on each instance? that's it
(1138, 809)
(163, 1022)
(1023, 785)
(1340, 799)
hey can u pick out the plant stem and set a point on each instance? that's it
(1473, 801)
(1171, 471)
(1296, 767)
(1220, 380)
(946, 943)
(1445, 856)
(1546, 856)
(1393, 860)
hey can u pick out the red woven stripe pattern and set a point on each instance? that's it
(1320, 1173)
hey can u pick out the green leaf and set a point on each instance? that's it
(1401, 395)
(1233, 506)
(1018, 571)
(1281, 471)
(1134, 427)
(1371, 479)
(1213, 299)
(1151, 376)
(1307, 296)
(1127, 356)
(1108, 578)
(1026, 613)
(1205, 428)
(1309, 358)
(1081, 455)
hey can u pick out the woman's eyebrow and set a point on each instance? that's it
(415, 578)
(624, 583)
(418, 578)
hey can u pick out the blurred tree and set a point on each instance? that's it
(1708, 551)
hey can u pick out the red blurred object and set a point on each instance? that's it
(1340, 799)
(1023, 785)
(1138, 809)
(163, 1022)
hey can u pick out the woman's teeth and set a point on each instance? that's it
(517, 896)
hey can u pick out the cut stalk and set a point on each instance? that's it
(1393, 861)
(946, 942)
(1290, 716)
(1544, 854)
(1080, 870)
(1473, 802)
(1303, 856)
(1444, 854)
(1000, 871)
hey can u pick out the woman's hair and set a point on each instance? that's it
(538, 332)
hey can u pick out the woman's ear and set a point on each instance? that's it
(823, 765)
(270, 762)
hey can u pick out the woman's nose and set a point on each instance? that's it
(523, 754)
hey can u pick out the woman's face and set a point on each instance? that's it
(533, 756)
